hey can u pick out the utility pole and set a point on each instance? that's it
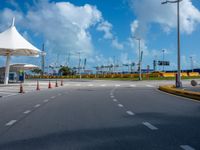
(43, 59)
(178, 77)
(139, 60)
(163, 59)
(79, 64)
(192, 65)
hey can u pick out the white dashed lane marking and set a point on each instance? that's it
(130, 113)
(187, 147)
(117, 85)
(90, 85)
(46, 100)
(120, 105)
(38, 105)
(112, 96)
(103, 85)
(114, 100)
(150, 126)
(52, 97)
(27, 112)
(10, 123)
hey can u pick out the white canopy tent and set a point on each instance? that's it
(13, 44)
(24, 66)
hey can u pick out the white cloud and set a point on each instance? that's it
(134, 26)
(116, 44)
(64, 25)
(151, 11)
(106, 27)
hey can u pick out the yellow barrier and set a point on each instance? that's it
(193, 74)
(189, 94)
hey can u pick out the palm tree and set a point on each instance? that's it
(65, 70)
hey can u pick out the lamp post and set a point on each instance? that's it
(79, 64)
(43, 54)
(163, 59)
(178, 79)
(191, 60)
(139, 61)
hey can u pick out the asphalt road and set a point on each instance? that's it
(99, 115)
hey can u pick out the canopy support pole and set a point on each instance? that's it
(7, 69)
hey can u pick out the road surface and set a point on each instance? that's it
(99, 115)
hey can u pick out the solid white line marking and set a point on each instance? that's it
(52, 97)
(115, 100)
(187, 147)
(117, 85)
(77, 85)
(120, 105)
(130, 113)
(10, 123)
(90, 85)
(27, 112)
(149, 85)
(103, 85)
(38, 105)
(150, 126)
(46, 100)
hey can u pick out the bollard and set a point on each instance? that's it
(38, 86)
(56, 84)
(21, 89)
(49, 86)
(61, 84)
(194, 83)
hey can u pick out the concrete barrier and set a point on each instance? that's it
(180, 92)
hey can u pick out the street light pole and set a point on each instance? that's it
(178, 80)
(79, 64)
(163, 59)
(139, 61)
(192, 67)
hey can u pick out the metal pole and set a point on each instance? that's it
(179, 84)
(140, 76)
(79, 65)
(192, 67)
(163, 59)
(43, 54)
(7, 70)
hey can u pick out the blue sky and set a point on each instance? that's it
(103, 30)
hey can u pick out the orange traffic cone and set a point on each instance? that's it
(49, 85)
(61, 82)
(21, 89)
(38, 86)
(56, 84)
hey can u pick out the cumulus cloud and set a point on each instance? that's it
(116, 44)
(151, 11)
(106, 27)
(64, 25)
(134, 26)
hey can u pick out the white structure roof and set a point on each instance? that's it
(11, 42)
(24, 66)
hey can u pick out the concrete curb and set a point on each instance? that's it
(180, 92)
